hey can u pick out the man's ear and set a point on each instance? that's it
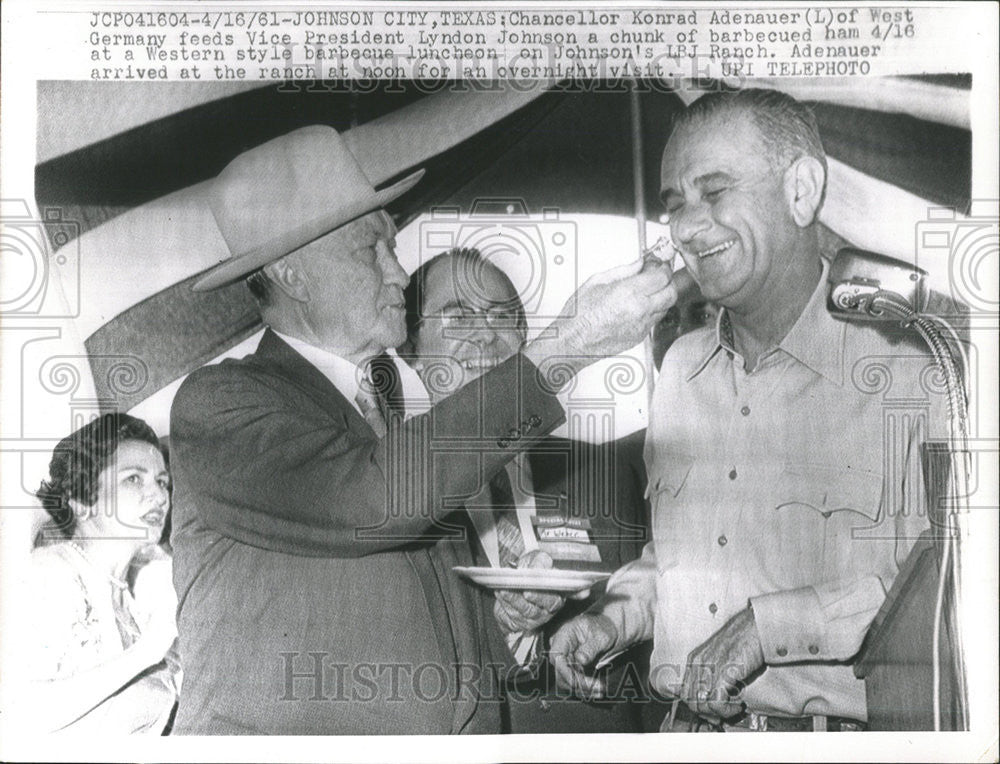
(289, 277)
(805, 180)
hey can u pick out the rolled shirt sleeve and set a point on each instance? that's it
(827, 622)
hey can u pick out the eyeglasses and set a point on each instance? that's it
(467, 317)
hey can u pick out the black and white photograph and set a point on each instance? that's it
(418, 382)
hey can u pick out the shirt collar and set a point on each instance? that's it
(713, 348)
(815, 340)
(345, 375)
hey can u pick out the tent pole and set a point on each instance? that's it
(637, 150)
(639, 193)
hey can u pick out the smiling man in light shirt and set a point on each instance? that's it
(782, 505)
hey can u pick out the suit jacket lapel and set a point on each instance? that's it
(455, 611)
(275, 352)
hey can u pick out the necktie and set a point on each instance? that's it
(508, 533)
(371, 405)
(523, 645)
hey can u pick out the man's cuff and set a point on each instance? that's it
(791, 625)
(517, 404)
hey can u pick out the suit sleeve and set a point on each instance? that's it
(269, 467)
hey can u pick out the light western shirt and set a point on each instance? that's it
(795, 487)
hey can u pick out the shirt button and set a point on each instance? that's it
(723, 541)
(813, 649)
(782, 651)
(713, 608)
(732, 474)
(545, 705)
(745, 411)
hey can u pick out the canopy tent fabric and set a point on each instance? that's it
(97, 115)
(102, 110)
(941, 99)
(885, 128)
(174, 237)
(559, 149)
(94, 183)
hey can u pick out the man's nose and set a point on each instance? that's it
(689, 222)
(392, 271)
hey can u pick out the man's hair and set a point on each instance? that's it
(787, 127)
(414, 292)
(261, 287)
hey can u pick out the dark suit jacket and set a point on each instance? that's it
(604, 485)
(312, 560)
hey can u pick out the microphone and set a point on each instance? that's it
(862, 282)
(867, 286)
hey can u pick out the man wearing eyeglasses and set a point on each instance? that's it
(464, 317)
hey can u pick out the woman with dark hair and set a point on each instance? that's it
(100, 646)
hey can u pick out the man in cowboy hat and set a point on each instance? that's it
(313, 551)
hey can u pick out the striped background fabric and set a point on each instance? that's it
(133, 184)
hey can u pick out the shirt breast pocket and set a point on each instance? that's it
(666, 489)
(822, 517)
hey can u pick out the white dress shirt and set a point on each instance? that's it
(345, 375)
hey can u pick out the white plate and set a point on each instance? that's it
(541, 579)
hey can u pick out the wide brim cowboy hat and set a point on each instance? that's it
(279, 196)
